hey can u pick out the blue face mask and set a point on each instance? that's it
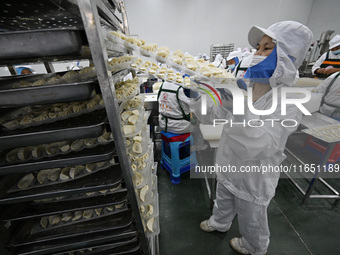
(232, 67)
(263, 70)
(336, 52)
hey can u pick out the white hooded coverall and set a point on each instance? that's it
(249, 194)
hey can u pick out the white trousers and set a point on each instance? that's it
(252, 219)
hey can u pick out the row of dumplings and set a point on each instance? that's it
(59, 110)
(161, 51)
(84, 74)
(48, 221)
(81, 195)
(60, 174)
(126, 88)
(161, 72)
(56, 148)
(178, 57)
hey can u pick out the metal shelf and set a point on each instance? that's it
(91, 17)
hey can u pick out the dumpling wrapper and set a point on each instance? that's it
(75, 171)
(138, 179)
(66, 217)
(24, 153)
(42, 176)
(53, 174)
(26, 181)
(39, 151)
(101, 164)
(137, 147)
(65, 173)
(90, 167)
(133, 119)
(77, 144)
(77, 215)
(44, 221)
(150, 210)
(98, 211)
(54, 219)
(110, 208)
(87, 214)
(89, 142)
(143, 192)
(12, 156)
(119, 206)
(149, 224)
(128, 129)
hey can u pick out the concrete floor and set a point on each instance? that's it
(296, 229)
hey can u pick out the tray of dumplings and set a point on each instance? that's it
(104, 248)
(120, 63)
(116, 237)
(113, 222)
(51, 113)
(46, 223)
(104, 180)
(22, 160)
(91, 124)
(58, 175)
(44, 89)
(23, 211)
(98, 193)
(128, 89)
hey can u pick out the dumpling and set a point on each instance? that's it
(87, 214)
(149, 224)
(98, 211)
(26, 181)
(54, 219)
(66, 217)
(44, 222)
(42, 176)
(75, 171)
(77, 144)
(143, 192)
(65, 173)
(39, 151)
(90, 167)
(53, 174)
(77, 215)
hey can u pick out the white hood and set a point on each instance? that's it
(292, 42)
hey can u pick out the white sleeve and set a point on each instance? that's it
(318, 63)
(214, 110)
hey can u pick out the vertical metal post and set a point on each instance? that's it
(91, 20)
(316, 175)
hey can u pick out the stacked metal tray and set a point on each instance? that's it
(36, 218)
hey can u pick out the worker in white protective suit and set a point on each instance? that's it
(330, 102)
(174, 109)
(280, 51)
(233, 59)
(329, 62)
(219, 61)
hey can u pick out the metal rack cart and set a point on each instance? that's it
(223, 49)
(95, 209)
